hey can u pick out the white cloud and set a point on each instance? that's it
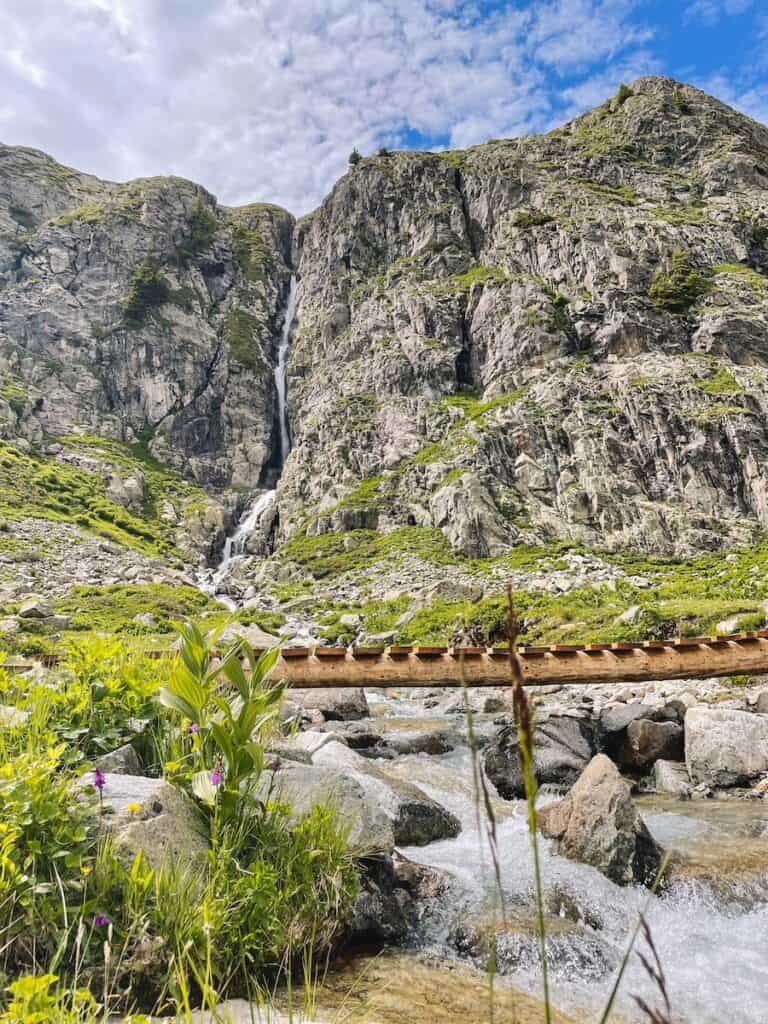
(749, 98)
(711, 11)
(264, 99)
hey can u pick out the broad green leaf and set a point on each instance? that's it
(170, 700)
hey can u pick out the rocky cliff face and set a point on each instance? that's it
(558, 336)
(552, 338)
(140, 311)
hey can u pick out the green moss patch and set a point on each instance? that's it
(682, 214)
(756, 281)
(148, 289)
(331, 554)
(241, 335)
(113, 609)
(677, 289)
(720, 383)
(623, 195)
(462, 284)
(34, 486)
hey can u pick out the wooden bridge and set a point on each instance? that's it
(419, 666)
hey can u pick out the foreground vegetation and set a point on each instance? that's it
(89, 925)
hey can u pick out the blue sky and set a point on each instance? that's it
(264, 99)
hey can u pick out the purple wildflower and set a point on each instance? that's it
(99, 780)
(216, 777)
(194, 728)
(100, 921)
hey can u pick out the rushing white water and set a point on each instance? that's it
(235, 546)
(280, 372)
(711, 936)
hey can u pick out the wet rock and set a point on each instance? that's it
(122, 761)
(394, 895)
(333, 704)
(381, 742)
(598, 824)
(562, 748)
(613, 723)
(573, 950)
(725, 747)
(645, 742)
(671, 778)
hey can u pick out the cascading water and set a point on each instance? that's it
(235, 545)
(710, 934)
(281, 374)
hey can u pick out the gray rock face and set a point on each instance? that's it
(598, 824)
(502, 270)
(190, 366)
(563, 746)
(725, 747)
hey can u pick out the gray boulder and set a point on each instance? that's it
(416, 818)
(35, 608)
(562, 748)
(334, 704)
(302, 787)
(122, 761)
(153, 816)
(253, 634)
(598, 824)
(725, 747)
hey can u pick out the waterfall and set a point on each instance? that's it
(235, 545)
(280, 372)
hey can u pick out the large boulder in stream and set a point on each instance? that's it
(381, 810)
(334, 705)
(635, 736)
(724, 747)
(597, 823)
(562, 747)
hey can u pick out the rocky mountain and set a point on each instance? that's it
(538, 356)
